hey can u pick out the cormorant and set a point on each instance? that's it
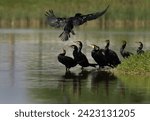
(111, 56)
(67, 61)
(80, 45)
(99, 56)
(139, 50)
(80, 58)
(125, 54)
(68, 23)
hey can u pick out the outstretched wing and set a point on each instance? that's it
(84, 18)
(92, 16)
(55, 21)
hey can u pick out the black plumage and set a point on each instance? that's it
(99, 56)
(67, 61)
(68, 23)
(111, 56)
(125, 54)
(80, 57)
(140, 48)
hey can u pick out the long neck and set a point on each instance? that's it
(80, 47)
(75, 52)
(107, 45)
(63, 53)
(96, 48)
(123, 47)
(141, 46)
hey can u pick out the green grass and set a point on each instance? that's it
(128, 12)
(120, 9)
(137, 83)
(136, 64)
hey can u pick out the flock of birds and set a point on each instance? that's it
(103, 57)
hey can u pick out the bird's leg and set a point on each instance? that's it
(111, 66)
(82, 68)
(69, 35)
(61, 34)
(101, 68)
(73, 33)
(66, 69)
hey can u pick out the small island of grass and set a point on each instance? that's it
(136, 64)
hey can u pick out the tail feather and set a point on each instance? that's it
(64, 36)
(93, 65)
(73, 33)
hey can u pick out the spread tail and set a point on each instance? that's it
(64, 36)
(73, 33)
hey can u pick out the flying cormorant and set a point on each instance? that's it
(68, 23)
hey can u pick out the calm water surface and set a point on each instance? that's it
(30, 72)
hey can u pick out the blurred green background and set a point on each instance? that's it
(30, 13)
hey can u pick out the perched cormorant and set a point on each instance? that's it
(139, 50)
(80, 58)
(80, 45)
(125, 54)
(111, 56)
(99, 56)
(67, 61)
(68, 23)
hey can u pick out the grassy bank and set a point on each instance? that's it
(137, 64)
(137, 84)
(121, 13)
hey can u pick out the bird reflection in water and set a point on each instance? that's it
(101, 83)
(105, 78)
(76, 80)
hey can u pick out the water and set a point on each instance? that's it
(30, 72)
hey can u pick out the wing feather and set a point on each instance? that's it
(55, 21)
(84, 18)
(93, 16)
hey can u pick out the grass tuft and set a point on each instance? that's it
(136, 64)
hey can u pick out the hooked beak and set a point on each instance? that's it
(77, 42)
(107, 40)
(72, 46)
(63, 49)
(91, 45)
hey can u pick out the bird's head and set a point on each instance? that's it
(124, 42)
(107, 41)
(140, 42)
(78, 42)
(63, 51)
(78, 14)
(74, 47)
(107, 44)
(95, 47)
